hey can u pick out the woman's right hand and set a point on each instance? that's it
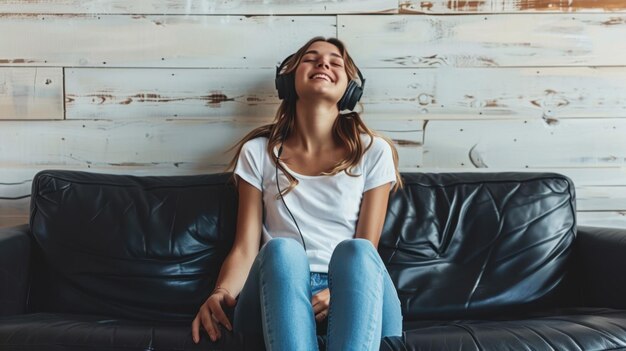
(211, 314)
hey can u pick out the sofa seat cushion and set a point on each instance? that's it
(53, 331)
(568, 329)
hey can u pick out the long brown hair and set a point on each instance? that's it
(346, 130)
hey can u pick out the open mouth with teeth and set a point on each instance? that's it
(321, 76)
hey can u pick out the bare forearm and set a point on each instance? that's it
(234, 271)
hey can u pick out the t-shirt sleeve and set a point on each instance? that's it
(379, 167)
(250, 163)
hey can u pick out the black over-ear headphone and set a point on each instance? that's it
(286, 86)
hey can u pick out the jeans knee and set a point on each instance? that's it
(354, 247)
(355, 252)
(284, 245)
(284, 252)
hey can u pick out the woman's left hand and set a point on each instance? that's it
(321, 302)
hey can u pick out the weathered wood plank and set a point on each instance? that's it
(14, 208)
(155, 41)
(532, 143)
(183, 94)
(127, 143)
(510, 6)
(611, 219)
(601, 198)
(120, 93)
(407, 136)
(486, 93)
(31, 93)
(541, 93)
(12, 221)
(484, 41)
(196, 144)
(115, 93)
(183, 7)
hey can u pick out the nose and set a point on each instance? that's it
(322, 62)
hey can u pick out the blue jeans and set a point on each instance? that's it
(276, 299)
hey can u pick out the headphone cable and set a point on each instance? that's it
(280, 151)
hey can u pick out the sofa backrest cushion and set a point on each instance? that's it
(464, 244)
(124, 246)
(455, 244)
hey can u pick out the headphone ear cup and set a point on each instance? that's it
(351, 96)
(285, 86)
(285, 83)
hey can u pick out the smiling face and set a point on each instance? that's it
(321, 73)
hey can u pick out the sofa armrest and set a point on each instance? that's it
(15, 248)
(602, 260)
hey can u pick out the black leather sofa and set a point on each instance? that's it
(481, 261)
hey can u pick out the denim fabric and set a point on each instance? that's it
(276, 298)
(319, 282)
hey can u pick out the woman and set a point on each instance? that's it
(319, 223)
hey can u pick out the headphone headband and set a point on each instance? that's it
(285, 84)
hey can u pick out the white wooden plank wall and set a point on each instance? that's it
(165, 87)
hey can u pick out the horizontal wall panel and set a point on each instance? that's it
(184, 7)
(119, 93)
(12, 221)
(532, 143)
(102, 143)
(196, 144)
(31, 93)
(14, 208)
(610, 219)
(156, 41)
(548, 93)
(481, 93)
(407, 136)
(510, 6)
(601, 198)
(485, 40)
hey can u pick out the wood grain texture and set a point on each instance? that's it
(184, 7)
(31, 93)
(601, 198)
(609, 219)
(122, 93)
(485, 93)
(12, 221)
(155, 41)
(484, 41)
(531, 143)
(196, 144)
(540, 93)
(510, 6)
(190, 144)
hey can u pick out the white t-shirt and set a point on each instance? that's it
(326, 208)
